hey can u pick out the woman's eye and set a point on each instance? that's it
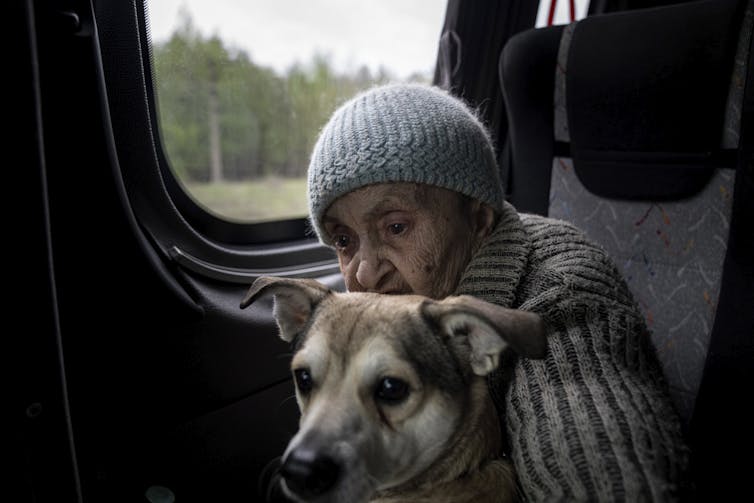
(341, 241)
(396, 229)
(391, 390)
(304, 381)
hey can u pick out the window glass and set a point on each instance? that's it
(243, 87)
(552, 12)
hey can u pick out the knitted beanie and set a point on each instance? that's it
(402, 133)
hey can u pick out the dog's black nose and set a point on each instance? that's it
(308, 473)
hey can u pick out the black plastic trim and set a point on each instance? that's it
(246, 276)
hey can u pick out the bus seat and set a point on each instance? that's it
(632, 126)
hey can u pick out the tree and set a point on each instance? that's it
(182, 114)
(223, 117)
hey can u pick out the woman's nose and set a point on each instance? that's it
(370, 271)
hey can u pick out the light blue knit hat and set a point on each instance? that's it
(402, 133)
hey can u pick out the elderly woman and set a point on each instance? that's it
(403, 184)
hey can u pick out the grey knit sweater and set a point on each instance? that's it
(593, 420)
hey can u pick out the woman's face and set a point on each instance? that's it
(402, 238)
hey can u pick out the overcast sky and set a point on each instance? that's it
(401, 35)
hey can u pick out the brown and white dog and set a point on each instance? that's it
(392, 391)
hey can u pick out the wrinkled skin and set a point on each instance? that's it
(400, 238)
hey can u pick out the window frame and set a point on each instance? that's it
(182, 231)
(213, 226)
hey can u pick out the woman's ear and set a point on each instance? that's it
(482, 218)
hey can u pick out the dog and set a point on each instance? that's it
(392, 392)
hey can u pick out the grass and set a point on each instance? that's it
(261, 200)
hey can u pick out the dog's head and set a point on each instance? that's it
(382, 381)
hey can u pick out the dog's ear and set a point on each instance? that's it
(295, 300)
(487, 329)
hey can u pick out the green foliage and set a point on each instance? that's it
(268, 123)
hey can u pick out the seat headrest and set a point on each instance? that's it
(646, 95)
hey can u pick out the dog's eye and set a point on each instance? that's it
(304, 381)
(391, 390)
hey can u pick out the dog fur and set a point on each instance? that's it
(393, 396)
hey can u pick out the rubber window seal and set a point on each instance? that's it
(247, 276)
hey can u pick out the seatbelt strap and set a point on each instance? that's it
(720, 434)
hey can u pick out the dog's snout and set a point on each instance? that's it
(308, 473)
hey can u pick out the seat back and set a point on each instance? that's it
(637, 144)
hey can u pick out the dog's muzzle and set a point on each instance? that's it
(308, 473)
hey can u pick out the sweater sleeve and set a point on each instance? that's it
(592, 421)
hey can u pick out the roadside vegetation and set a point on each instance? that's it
(238, 135)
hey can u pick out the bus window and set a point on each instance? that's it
(242, 88)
